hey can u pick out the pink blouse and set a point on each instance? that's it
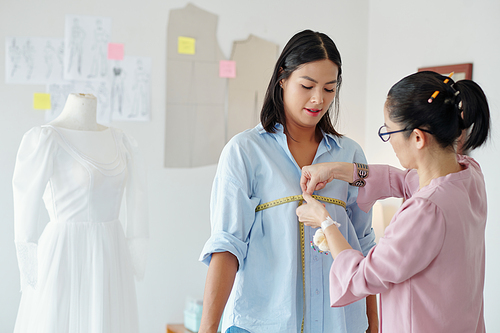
(429, 266)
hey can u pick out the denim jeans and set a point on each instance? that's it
(234, 329)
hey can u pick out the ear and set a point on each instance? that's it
(280, 71)
(419, 138)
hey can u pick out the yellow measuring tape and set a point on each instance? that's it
(300, 198)
(302, 255)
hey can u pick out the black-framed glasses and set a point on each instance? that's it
(385, 136)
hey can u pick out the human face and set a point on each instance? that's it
(399, 142)
(308, 93)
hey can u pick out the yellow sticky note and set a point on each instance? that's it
(41, 101)
(186, 45)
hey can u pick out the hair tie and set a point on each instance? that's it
(434, 95)
(453, 99)
(456, 92)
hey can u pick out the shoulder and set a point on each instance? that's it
(347, 143)
(38, 141)
(348, 148)
(243, 154)
(124, 137)
(117, 131)
(43, 130)
(251, 141)
(470, 163)
(420, 210)
(248, 137)
(127, 143)
(40, 134)
(447, 195)
(420, 201)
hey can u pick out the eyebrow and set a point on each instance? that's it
(313, 80)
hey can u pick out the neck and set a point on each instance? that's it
(302, 143)
(79, 113)
(301, 135)
(437, 164)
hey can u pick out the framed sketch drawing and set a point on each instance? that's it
(462, 71)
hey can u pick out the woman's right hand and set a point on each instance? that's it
(315, 177)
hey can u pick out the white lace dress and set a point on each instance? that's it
(77, 271)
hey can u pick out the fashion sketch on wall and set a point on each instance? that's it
(86, 42)
(130, 98)
(33, 60)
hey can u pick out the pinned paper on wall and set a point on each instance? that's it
(41, 101)
(195, 92)
(245, 93)
(34, 60)
(115, 51)
(227, 69)
(130, 98)
(186, 45)
(86, 41)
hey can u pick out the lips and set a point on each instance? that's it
(313, 112)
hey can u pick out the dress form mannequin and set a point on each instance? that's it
(79, 113)
(77, 268)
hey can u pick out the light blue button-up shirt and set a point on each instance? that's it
(256, 167)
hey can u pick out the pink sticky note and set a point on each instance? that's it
(115, 51)
(227, 68)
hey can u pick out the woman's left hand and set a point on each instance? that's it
(311, 212)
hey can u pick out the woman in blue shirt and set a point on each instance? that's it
(262, 267)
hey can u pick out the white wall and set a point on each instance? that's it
(380, 42)
(406, 35)
(179, 198)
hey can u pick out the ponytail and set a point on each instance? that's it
(475, 113)
(456, 107)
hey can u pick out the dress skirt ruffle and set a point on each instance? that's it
(85, 282)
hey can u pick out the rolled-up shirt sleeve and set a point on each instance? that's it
(232, 207)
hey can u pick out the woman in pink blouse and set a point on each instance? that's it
(429, 266)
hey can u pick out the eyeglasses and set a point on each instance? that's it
(385, 136)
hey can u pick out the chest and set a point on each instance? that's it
(303, 153)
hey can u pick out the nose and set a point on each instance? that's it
(317, 96)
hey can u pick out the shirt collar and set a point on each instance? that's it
(326, 136)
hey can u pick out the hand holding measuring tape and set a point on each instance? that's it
(315, 177)
(311, 212)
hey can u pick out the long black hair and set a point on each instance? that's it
(306, 46)
(459, 105)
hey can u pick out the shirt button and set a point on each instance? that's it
(317, 292)
(315, 258)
